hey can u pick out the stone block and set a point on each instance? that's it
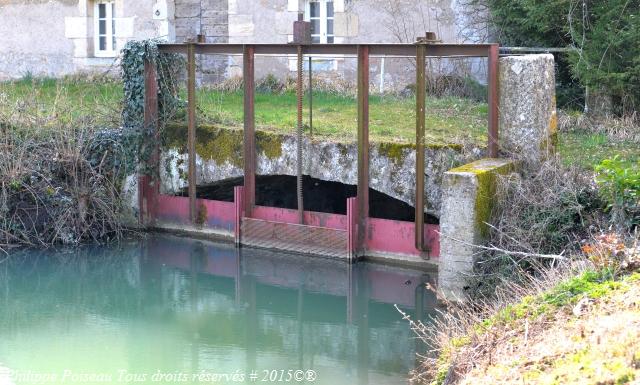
(528, 120)
(214, 17)
(215, 30)
(284, 22)
(468, 194)
(75, 27)
(187, 9)
(346, 24)
(80, 48)
(241, 25)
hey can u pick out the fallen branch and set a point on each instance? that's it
(509, 252)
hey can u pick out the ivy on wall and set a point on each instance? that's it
(168, 67)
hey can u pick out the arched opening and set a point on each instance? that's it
(320, 196)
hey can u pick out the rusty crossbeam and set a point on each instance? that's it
(406, 50)
(421, 94)
(249, 130)
(363, 143)
(191, 133)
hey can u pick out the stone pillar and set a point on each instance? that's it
(528, 120)
(467, 201)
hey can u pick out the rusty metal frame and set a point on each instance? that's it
(191, 131)
(149, 184)
(405, 50)
(363, 52)
(363, 144)
(492, 100)
(421, 94)
(249, 130)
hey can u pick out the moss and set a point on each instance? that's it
(219, 144)
(486, 171)
(394, 151)
(222, 144)
(592, 284)
(269, 144)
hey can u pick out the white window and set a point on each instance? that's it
(320, 14)
(104, 29)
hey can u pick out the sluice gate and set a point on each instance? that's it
(349, 235)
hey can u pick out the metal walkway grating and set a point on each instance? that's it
(294, 237)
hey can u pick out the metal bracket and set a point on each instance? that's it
(428, 38)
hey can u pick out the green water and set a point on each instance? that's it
(171, 310)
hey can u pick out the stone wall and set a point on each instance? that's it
(527, 135)
(392, 165)
(211, 19)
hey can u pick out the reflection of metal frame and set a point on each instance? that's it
(419, 51)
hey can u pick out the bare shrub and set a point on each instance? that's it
(545, 210)
(468, 334)
(625, 128)
(60, 175)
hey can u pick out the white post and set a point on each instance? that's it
(382, 76)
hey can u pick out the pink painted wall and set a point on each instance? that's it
(311, 218)
(384, 235)
(175, 210)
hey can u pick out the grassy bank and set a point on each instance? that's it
(449, 119)
(586, 149)
(583, 329)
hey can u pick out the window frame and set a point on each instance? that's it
(323, 19)
(109, 34)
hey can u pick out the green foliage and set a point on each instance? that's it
(603, 33)
(610, 55)
(134, 55)
(619, 182)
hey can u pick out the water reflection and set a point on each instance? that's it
(175, 305)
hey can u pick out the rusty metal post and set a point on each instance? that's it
(493, 100)
(149, 182)
(249, 130)
(363, 143)
(191, 133)
(421, 94)
(299, 132)
(310, 97)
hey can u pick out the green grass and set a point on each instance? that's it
(448, 120)
(61, 101)
(587, 149)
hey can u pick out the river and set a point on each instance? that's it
(173, 310)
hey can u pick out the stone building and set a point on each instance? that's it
(60, 37)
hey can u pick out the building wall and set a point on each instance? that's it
(211, 19)
(55, 38)
(355, 21)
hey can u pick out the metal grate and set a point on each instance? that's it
(294, 237)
